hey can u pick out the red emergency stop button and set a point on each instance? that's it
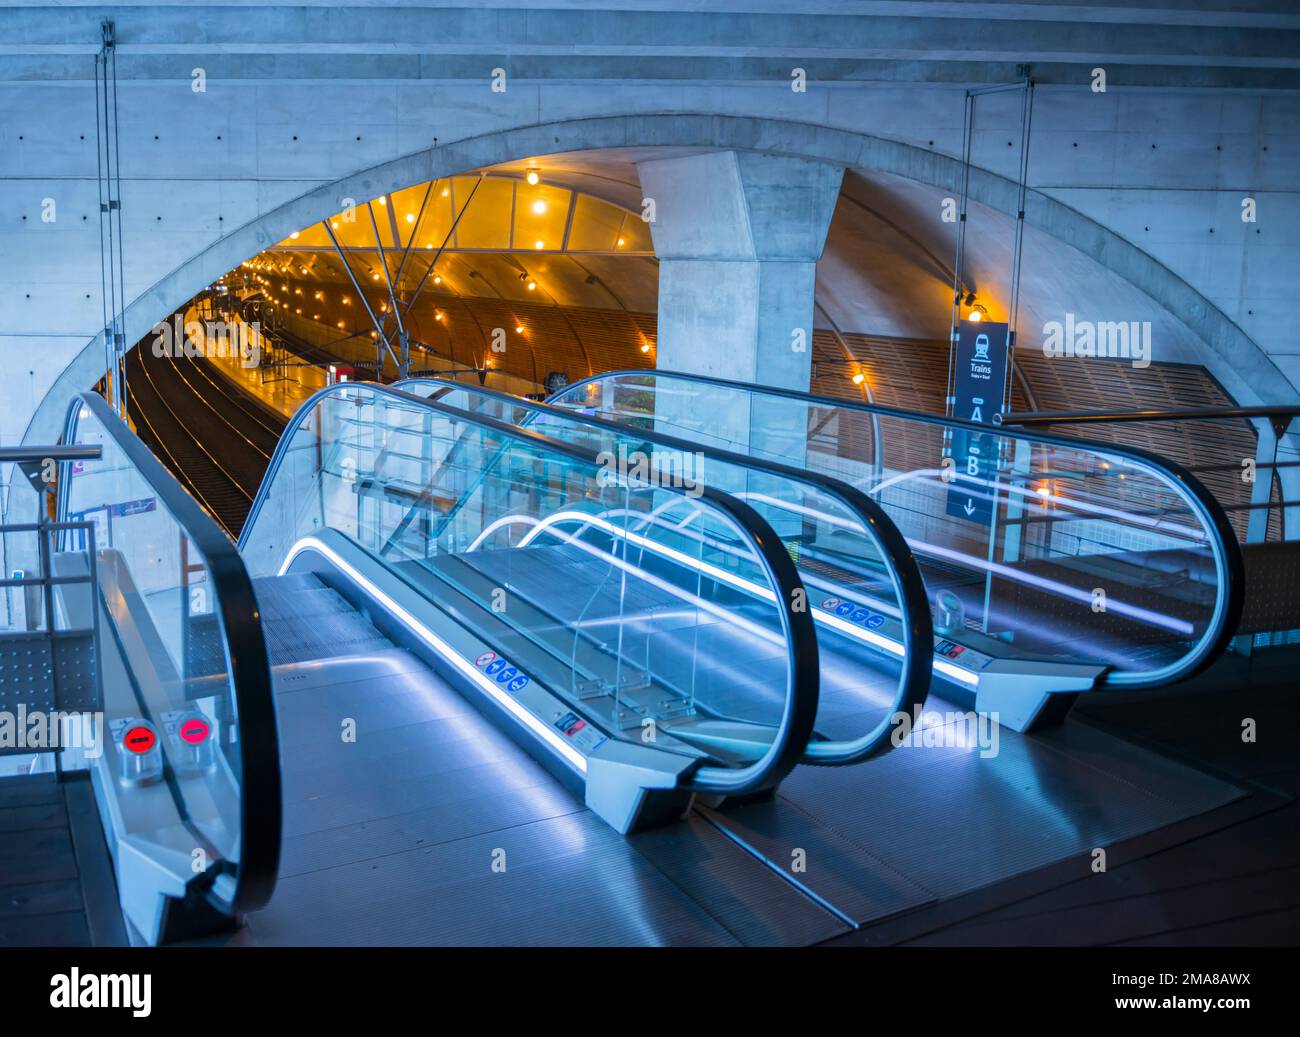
(139, 739)
(195, 731)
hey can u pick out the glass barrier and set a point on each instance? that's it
(866, 595)
(660, 614)
(1032, 546)
(187, 701)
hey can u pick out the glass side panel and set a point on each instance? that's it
(646, 607)
(1029, 547)
(853, 593)
(165, 667)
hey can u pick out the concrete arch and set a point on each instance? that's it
(1245, 369)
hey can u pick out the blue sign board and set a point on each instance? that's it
(979, 376)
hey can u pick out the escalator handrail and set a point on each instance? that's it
(917, 622)
(1230, 568)
(247, 662)
(800, 709)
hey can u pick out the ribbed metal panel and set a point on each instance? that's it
(851, 883)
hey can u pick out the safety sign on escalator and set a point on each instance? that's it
(579, 732)
(853, 612)
(500, 670)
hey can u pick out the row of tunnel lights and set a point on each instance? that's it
(538, 207)
(1045, 488)
(438, 313)
(532, 176)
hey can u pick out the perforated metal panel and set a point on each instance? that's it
(45, 677)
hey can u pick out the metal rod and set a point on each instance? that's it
(364, 301)
(958, 282)
(18, 454)
(1026, 120)
(383, 262)
(1288, 411)
(441, 248)
(415, 229)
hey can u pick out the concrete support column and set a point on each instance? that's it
(738, 236)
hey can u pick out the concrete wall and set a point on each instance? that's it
(1137, 177)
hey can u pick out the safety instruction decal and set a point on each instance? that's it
(499, 669)
(853, 612)
(578, 731)
(968, 657)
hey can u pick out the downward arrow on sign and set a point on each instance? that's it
(969, 509)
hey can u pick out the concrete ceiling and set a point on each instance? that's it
(886, 269)
(1198, 43)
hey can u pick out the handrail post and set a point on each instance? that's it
(1267, 436)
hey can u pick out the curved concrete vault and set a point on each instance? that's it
(900, 172)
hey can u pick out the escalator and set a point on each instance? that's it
(844, 547)
(187, 780)
(459, 684)
(1054, 565)
(873, 663)
(375, 677)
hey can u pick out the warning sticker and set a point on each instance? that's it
(853, 612)
(578, 731)
(968, 657)
(503, 672)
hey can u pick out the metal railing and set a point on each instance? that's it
(1270, 421)
(68, 677)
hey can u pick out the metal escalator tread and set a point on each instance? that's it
(731, 668)
(304, 620)
(733, 673)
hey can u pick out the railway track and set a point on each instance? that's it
(213, 438)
